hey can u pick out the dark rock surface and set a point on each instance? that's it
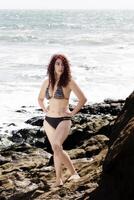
(117, 178)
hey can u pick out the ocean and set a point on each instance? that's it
(98, 43)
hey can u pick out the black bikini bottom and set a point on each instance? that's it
(54, 121)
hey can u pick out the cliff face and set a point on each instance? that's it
(117, 179)
(100, 144)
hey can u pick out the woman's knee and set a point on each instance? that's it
(57, 148)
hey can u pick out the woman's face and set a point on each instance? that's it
(59, 67)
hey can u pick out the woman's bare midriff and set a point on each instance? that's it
(57, 108)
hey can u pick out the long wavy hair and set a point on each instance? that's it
(65, 76)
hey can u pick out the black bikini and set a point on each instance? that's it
(54, 121)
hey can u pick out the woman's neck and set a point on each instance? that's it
(57, 78)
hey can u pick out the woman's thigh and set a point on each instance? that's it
(62, 131)
(49, 131)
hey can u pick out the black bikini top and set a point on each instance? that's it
(57, 95)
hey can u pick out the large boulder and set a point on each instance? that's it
(117, 180)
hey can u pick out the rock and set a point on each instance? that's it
(21, 111)
(12, 124)
(107, 107)
(94, 145)
(76, 153)
(118, 174)
(123, 133)
(76, 138)
(27, 135)
(4, 160)
(122, 101)
(18, 180)
(35, 121)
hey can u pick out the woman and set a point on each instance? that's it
(57, 123)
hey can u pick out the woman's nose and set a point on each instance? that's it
(61, 66)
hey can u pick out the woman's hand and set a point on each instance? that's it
(45, 110)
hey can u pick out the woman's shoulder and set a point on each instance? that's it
(72, 84)
(72, 81)
(46, 80)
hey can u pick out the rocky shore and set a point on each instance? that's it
(100, 145)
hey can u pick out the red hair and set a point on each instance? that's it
(66, 75)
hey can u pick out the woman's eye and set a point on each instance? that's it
(58, 63)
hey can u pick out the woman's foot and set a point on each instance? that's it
(74, 177)
(57, 183)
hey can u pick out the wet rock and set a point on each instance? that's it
(21, 111)
(122, 101)
(12, 124)
(35, 121)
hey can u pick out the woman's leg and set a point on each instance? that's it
(50, 132)
(61, 133)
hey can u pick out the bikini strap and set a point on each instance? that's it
(66, 118)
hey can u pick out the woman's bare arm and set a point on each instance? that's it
(80, 95)
(41, 95)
